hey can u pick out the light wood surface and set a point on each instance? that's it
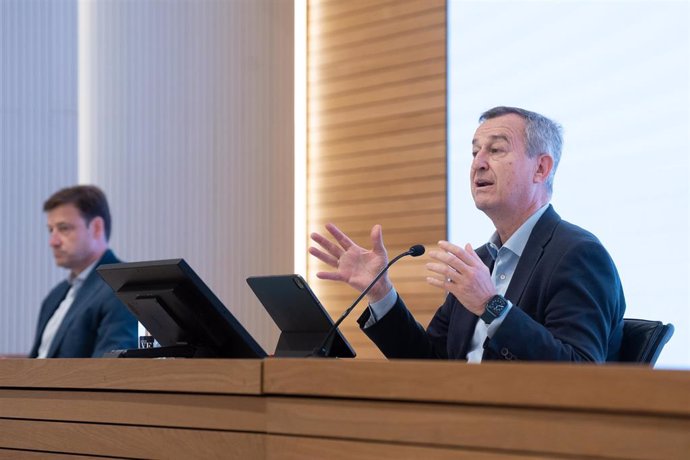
(616, 388)
(14, 454)
(200, 376)
(317, 408)
(129, 441)
(219, 412)
(295, 448)
(549, 432)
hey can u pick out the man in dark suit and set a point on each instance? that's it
(81, 317)
(540, 289)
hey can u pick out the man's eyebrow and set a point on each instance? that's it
(493, 138)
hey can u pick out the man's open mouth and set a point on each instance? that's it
(482, 183)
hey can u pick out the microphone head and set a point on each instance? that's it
(416, 250)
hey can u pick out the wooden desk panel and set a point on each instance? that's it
(13, 454)
(293, 408)
(231, 376)
(581, 387)
(488, 428)
(294, 448)
(129, 441)
(220, 412)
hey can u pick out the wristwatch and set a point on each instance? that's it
(494, 308)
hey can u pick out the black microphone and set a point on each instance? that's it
(325, 347)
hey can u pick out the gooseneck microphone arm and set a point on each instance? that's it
(325, 347)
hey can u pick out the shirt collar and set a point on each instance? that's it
(79, 279)
(517, 242)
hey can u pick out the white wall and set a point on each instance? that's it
(616, 76)
(187, 123)
(38, 152)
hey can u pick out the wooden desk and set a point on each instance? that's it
(285, 409)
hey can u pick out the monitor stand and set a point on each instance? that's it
(174, 351)
(300, 344)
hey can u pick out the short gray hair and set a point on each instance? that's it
(542, 135)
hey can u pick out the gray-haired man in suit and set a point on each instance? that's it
(541, 289)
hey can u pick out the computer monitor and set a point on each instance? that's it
(179, 310)
(302, 320)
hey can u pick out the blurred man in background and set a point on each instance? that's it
(81, 317)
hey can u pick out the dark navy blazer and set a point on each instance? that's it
(96, 322)
(567, 300)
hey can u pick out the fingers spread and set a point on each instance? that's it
(449, 260)
(335, 250)
(322, 256)
(441, 284)
(467, 257)
(444, 270)
(342, 239)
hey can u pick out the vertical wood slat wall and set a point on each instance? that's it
(377, 139)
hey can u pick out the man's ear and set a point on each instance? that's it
(544, 167)
(97, 226)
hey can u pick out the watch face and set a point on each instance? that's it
(496, 305)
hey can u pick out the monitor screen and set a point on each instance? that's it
(179, 310)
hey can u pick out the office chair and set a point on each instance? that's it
(643, 340)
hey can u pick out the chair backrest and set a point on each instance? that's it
(643, 340)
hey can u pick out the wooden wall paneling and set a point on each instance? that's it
(379, 95)
(366, 64)
(387, 142)
(373, 128)
(377, 137)
(426, 68)
(433, 16)
(416, 37)
(330, 8)
(413, 104)
(383, 12)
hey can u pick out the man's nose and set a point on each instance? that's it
(480, 161)
(54, 239)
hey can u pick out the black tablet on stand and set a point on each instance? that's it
(302, 320)
(179, 311)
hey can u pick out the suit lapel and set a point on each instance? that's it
(56, 299)
(485, 255)
(540, 237)
(81, 301)
(90, 287)
(51, 304)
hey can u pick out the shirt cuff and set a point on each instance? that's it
(378, 310)
(495, 324)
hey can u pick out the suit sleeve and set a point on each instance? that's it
(117, 328)
(582, 303)
(399, 336)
